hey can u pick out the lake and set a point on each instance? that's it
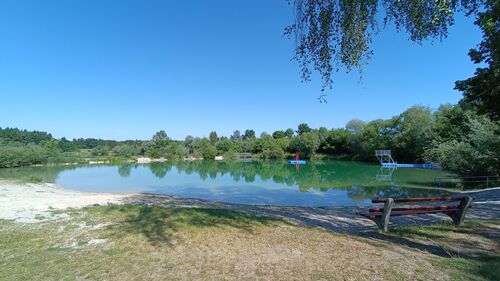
(322, 183)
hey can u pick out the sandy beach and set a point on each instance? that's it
(32, 202)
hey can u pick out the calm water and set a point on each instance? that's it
(326, 183)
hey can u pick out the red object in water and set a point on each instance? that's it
(297, 169)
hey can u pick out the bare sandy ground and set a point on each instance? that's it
(32, 202)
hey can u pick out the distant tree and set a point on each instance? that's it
(180, 151)
(66, 145)
(17, 156)
(236, 136)
(377, 134)
(51, 147)
(189, 144)
(415, 134)
(289, 133)
(355, 126)
(307, 144)
(158, 146)
(323, 133)
(272, 150)
(123, 150)
(224, 146)
(337, 142)
(208, 151)
(160, 138)
(100, 150)
(255, 146)
(278, 134)
(249, 134)
(213, 137)
(14, 135)
(264, 135)
(90, 143)
(303, 128)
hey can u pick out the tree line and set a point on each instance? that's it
(455, 136)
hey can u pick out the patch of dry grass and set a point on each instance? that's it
(153, 243)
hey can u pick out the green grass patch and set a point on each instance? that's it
(472, 250)
(482, 267)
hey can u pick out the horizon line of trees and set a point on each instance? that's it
(455, 136)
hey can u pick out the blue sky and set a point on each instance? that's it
(126, 69)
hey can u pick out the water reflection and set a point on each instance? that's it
(160, 170)
(359, 180)
(326, 183)
(385, 174)
(124, 170)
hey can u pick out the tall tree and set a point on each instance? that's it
(483, 89)
(289, 133)
(279, 134)
(160, 138)
(236, 136)
(303, 128)
(415, 133)
(249, 134)
(213, 137)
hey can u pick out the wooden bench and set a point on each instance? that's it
(381, 215)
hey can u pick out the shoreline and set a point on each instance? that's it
(39, 202)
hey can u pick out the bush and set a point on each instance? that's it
(307, 144)
(476, 154)
(17, 156)
(100, 150)
(208, 152)
(123, 150)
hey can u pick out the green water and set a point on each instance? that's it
(324, 183)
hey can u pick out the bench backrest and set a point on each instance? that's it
(381, 214)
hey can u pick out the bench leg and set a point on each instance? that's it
(459, 216)
(383, 221)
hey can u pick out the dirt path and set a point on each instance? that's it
(29, 203)
(339, 219)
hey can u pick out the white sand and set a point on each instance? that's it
(30, 203)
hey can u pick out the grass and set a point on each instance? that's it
(472, 251)
(133, 242)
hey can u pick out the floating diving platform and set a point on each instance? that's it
(386, 161)
(297, 162)
(421, 166)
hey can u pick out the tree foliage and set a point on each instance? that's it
(336, 34)
(213, 137)
(475, 152)
(483, 89)
(456, 136)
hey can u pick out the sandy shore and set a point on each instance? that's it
(32, 202)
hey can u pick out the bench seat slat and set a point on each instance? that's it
(406, 214)
(417, 208)
(403, 214)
